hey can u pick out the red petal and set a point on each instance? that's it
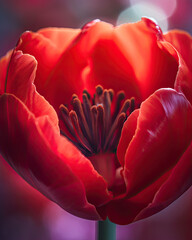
(44, 51)
(61, 38)
(128, 57)
(47, 47)
(178, 182)
(124, 211)
(68, 76)
(24, 146)
(163, 133)
(127, 134)
(20, 78)
(183, 81)
(182, 43)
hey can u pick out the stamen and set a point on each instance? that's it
(69, 130)
(120, 97)
(87, 110)
(116, 124)
(117, 134)
(64, 115)
(92, 125)
(107, 110)
(80, 138)
(132, 108)
(101, 125)
(81, 116)
(95, 139)
(111, 93)
(99, 90)
(125, 106)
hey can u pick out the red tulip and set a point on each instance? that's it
(106, 157)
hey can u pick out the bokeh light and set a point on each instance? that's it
(160, 11)
(137, 11)
(168, 7)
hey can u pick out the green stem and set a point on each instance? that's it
(106, 230)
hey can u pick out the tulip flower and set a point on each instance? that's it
(98, 119)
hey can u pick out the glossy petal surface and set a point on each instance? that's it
(178, 182)
(182, 42)
(20, 82)
(163, 133)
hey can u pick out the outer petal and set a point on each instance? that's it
(21, 73)
(128, 57)
(177, 183)
(163, 133)
(182, 41)
(168, 187)
(24, 146)
(127, 134)
(180, 46)
(183, 81)
(124, 210)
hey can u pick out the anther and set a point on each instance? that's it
(99, 90)
(120, 97)
(86, 110)
(132, 107)
(79, 135)
(87, 93)
(94, 127)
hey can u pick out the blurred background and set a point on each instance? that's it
(17, 16)
(24, 213)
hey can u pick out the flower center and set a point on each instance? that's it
(94, 125)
